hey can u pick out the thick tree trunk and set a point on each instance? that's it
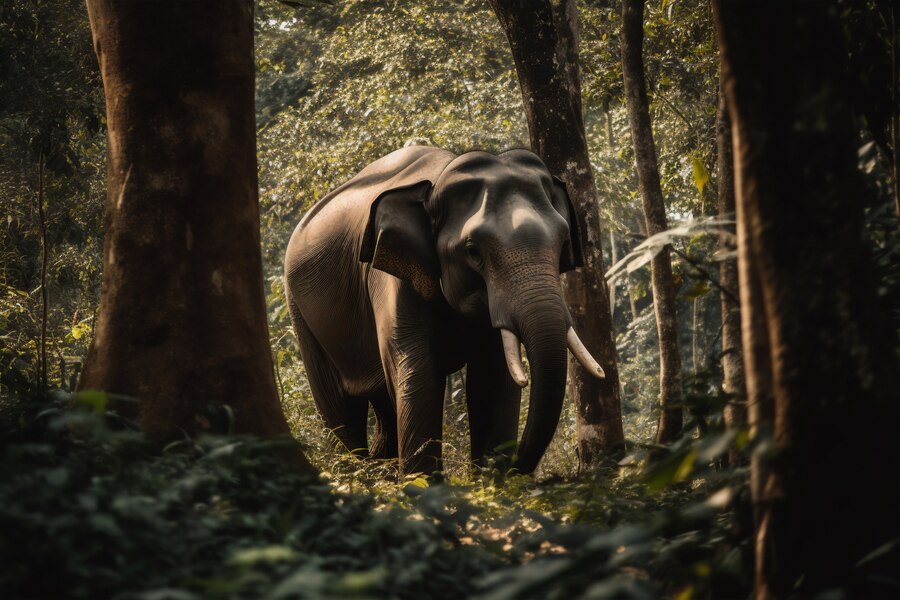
(182, 323)
(543, 37)
(735, 412)
(670, 392)
(812, 332)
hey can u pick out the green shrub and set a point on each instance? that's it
(89, 508)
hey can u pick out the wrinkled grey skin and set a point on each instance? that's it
(407, 272)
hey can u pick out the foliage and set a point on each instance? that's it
(51, 112)
(387, 74)
(110, 515)
(86, 497)
(644, 252)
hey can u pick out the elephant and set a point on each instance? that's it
(422, 263)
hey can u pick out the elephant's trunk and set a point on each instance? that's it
(543, 327)
(531, 307)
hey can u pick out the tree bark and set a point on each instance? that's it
(45, 259)
(814, 341)
(631, 301)
(735, 412)
(895, 110)
(182, 323)
(695, 336)
(543, 37)
(614, 256)
(663, 283)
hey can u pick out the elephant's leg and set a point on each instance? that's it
(419, 419)
(493, 399)
(344, 414)
(384, 443)
(407, 344)
(418, 392)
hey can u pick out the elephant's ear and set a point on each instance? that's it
(572, 255)
(398, 238)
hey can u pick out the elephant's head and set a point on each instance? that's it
(492, 234)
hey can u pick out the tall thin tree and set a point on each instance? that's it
(544, 38)
(182, 320)
(735, 412)
(45, 259)
(818, 359)
(663, 283)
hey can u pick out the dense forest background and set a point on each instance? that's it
(338, 87)
(339, 84)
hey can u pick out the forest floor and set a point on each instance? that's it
(84, 497)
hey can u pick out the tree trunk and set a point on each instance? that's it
(45, 259)
(735, 412)
(543, 37)
(182, 323)
(895, 110)
(813, 337)
(629, 284)
(695, 336)
(631, 301)
(614, 256)
(663, 283)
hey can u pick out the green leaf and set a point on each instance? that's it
(698, 289)
(701, 175)
(713, 446)
(672, 469)
(685, 594)
(419, 482)
(352, 584)
(265, 554)
(95, 399)
(79, 329)
(686, 467)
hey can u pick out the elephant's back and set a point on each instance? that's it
(401, 167)
(327, 240)
(324, 276)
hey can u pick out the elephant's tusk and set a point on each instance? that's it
(584, 357)
(513, 354)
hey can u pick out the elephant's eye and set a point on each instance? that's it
(473, 251)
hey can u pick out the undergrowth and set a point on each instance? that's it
(89, 508)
